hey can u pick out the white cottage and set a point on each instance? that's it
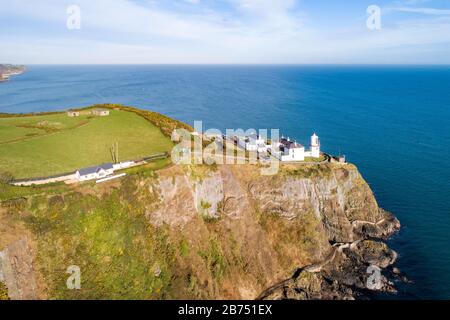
(94, 173)
(289, 150)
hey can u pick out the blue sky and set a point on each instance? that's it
(225, 31)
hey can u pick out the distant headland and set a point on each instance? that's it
(8, 70)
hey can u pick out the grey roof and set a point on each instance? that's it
(92, 170)
(290, 144)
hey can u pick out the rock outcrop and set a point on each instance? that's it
(16, 270)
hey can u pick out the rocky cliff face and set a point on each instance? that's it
(309, 232)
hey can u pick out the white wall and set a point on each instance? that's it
(94, 176)
(295, 154)
(123, 165)
(315, 152)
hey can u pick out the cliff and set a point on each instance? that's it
(197, 232)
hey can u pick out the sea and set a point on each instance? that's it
(393, 122)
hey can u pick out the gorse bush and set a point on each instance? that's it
(3, 292)
(215, 259)
(6, 177)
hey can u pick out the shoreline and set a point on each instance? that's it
(7, 71)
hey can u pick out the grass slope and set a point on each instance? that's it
(37, 146)
(120, 255)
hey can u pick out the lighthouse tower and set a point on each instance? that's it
(315, 146)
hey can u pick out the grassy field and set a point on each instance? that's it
(38, 146)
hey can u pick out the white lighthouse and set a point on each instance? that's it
(315, 146)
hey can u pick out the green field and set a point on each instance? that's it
(43, 145)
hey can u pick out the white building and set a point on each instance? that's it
(285, 149)
(253, 142)
(100, 112)
(288, 150)
(123, 165)
(71, 113)
(94, 173)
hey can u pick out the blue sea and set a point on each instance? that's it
(391, 121)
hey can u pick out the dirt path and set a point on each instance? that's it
(37, 136)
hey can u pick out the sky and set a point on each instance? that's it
(224, 32)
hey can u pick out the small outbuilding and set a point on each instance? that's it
(341, 159)
(72, 114)
(100, 112)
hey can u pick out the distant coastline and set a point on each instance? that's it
(8, 70)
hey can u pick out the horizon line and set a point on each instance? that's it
(229, 64)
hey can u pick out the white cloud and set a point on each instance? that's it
(265, 7)
(257, 31)
(430, 11)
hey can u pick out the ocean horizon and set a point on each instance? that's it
(391, 121)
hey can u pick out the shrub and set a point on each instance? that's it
(15, 205)
(6, 177)
(3, 292)
(214, 259)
